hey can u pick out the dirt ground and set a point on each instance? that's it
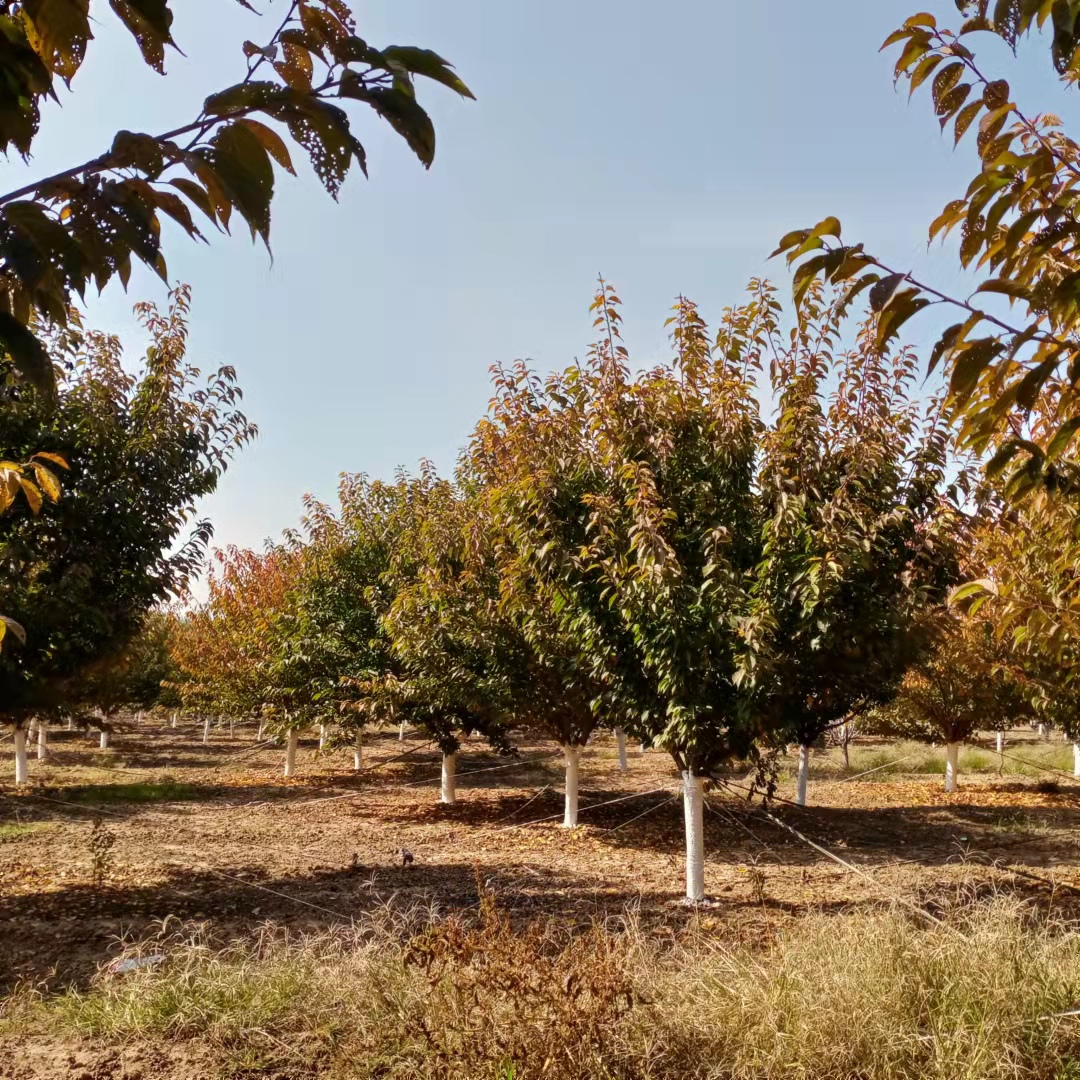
(220, 836)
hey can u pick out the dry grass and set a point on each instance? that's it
(877, 996)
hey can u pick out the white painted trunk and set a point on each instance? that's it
(952, 758)
(42, 743)
(804, 775)
(449, 778)
(323, 736)
(1076, 759)
(70, 724)
(644, 748)
(573, 765)
(20, 756)
(32, 731)
(259, 736)
(232, 727)
(694, 813)
(620, 740)
(103, 741)
(1042, 731)
(401, 731)
(290, 751)
(1000, 741)
(206, 730)
(358, 753)
(172, 723)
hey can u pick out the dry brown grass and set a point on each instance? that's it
(874, 996)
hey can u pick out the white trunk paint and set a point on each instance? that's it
(573, 765)
(206, 730)
(358, 753)
(952, 756)
(449, 778)
(1042, 731)
(401, 731)
(172, 723)
(804, 775)
(32, 731)
(1000, 741)
(620, 740)
(290, 751)
(644, 748)
(694, 813)
(42, 743)
(259, 736)
(1076, 759)
(103, 741)
(70, 724)
(20, 756)
(323, 736)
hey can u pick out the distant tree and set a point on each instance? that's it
(143, 447)
(85, 224)
(861, 534)
(963, 686)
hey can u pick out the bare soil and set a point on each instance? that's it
(222, 837)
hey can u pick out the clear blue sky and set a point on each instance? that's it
(667, 145)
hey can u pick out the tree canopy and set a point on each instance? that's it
(85, 224)
(142, 447)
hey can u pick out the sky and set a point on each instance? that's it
(666, 146)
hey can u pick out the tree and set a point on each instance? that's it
(85, 224)
(232, 653)
(455, 670)
(625, 522)
(860, 534)
(82, 574)
(1014, 371)
(959, 688)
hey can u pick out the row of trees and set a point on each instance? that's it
(645, 552)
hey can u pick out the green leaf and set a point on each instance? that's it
(401, 111)
(1062, 438)
(973, 588)
(27, 354)
(243, 166)
(244, 96)
(1006, 287)
(428, 64)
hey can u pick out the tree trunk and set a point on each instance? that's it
(573, 763)
(358, 753)
(449, 778)
(322, 736)
(1042, 731)
(70, 724)
(999, 741)
(172, 722)
(644, 748)
(804, 775)
(1076, 759)
(952, 755)
(42, 742)
(103, 740)
(620, 740)
(694, 813)
(232, 727)
(206, 730)
(846, 747)
(401, 732)
(290, 751)
(20, 756)
(259, 736)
